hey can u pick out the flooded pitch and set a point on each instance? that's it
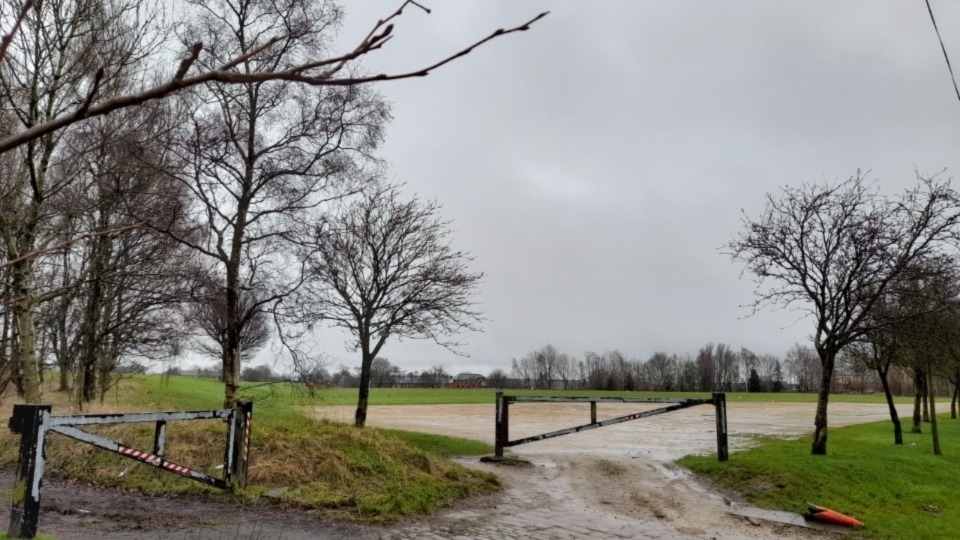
(613, 482)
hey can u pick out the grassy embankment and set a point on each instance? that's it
(366, 474)
(898, 491)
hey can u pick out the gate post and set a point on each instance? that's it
(160, 438)
(241, 444)
(502, 431)
(29, 421)
(720, 403)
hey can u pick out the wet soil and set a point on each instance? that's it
(76, 511)
(614, 482)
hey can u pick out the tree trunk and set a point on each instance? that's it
(87, 385)
(363, 395)
(918, 379)
(232, 345)
(933, 414)
(28, 367)
(64, 379)
(231, 376)
(819, 447)
(953, 400)
(894, 417)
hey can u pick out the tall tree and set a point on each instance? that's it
(835, 250)
(382, 268)
(261, 158)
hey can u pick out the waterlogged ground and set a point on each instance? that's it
(612, 482)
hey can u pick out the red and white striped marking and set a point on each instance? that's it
(155, 460)
(142, 456)
(177, 468)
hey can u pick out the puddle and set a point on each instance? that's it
(787, 518)
(545, 464)
(671, 473)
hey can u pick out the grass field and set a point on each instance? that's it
(898, 491)
(285, 399)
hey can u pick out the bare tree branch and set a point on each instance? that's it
(67, 243)
(8, 38)
(222, 75)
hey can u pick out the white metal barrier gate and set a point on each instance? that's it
(33, 422)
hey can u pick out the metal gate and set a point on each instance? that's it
(502, 434)
(33, 422)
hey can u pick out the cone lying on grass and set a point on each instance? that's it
(832, 517)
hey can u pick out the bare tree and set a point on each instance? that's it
(497, 378)
(434, 377)
(260, 158)
(543, 366)
(383, 268)
(803, 366)
(660, 371)
(835, 250)
(382, 373)
(211, 314)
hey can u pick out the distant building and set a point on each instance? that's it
(408, 381)
(468, 380)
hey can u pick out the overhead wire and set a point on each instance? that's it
(944, 49)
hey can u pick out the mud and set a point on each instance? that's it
(76, 511)
(612, 482)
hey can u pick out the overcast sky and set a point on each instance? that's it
(596, 164)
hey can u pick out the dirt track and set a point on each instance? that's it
(614, 482)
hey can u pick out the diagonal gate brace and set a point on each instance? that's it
(502, 416)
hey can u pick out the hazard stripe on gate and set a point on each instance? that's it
(154, 459)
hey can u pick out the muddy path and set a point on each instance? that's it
(613, 482)
(76, 511)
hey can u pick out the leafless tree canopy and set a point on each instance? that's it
(835, 251)
(210, 314)
(383, 268)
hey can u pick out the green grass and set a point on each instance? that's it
(284, 399)
(898, 491)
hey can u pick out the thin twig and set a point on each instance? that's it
(68, 243)
(224, 76)
(7, 39)
(944, 49)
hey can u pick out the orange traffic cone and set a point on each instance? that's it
(826, 515)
